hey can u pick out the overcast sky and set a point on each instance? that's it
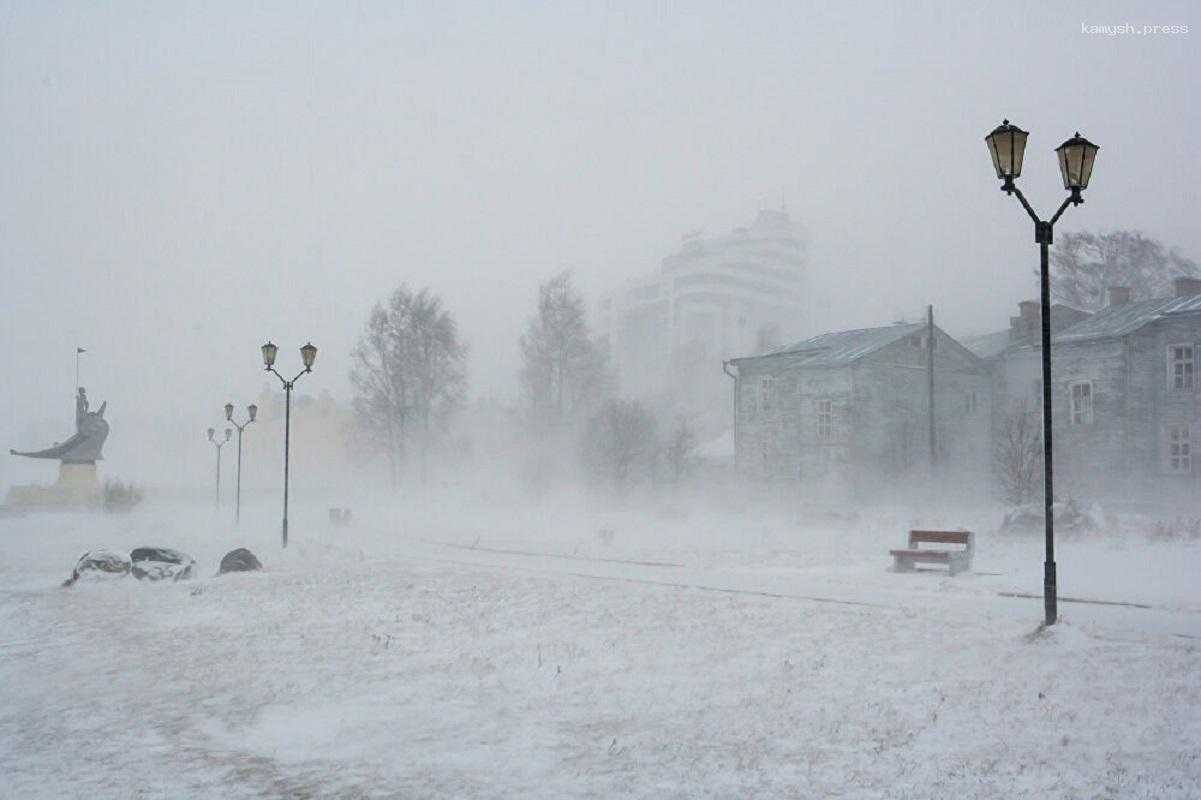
(179, 182)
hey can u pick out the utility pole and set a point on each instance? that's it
(930, 379)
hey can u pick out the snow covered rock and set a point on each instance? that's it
(99, 564)
(240, 560)
(160, 563)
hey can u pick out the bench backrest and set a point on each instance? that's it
(941, 537)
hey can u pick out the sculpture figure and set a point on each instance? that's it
(91, 429)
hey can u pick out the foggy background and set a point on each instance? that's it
(182, 182)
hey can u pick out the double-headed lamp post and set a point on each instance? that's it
(1007, 146)
(251, 412)
(308, 354)
(219, 443)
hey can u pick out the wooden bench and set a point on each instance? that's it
(956, 560)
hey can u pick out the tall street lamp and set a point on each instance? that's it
(252, 411)
(1007, 146)
(308, 354)
(219, 443)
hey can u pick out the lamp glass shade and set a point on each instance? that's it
(1076, 157)
(269, 351)
(309, 354)
(253, 411)
(211, 432)
(1007, 147)
(229, 410)
(228, 433)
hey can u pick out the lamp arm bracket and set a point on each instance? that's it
(1025, 204)
(1073, 199)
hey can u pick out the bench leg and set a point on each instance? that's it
(901, 564)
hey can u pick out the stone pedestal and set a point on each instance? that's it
(75, 477)
(78, 486)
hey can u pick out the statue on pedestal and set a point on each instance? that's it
(77, 456)
(91, 430)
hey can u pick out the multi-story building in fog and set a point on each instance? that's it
(716, 297)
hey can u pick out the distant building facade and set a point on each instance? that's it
(739, 292)
(850, 410)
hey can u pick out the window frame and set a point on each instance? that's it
(1092, 404)
(824, 408)
(767, 386)
(1191, 363)
(1180, 462)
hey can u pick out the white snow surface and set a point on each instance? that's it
(460, 649)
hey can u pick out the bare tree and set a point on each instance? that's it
(679, 451)
(619, 443)
(562, 371)
(1084, 265)
(1018, 454)
(408, 374)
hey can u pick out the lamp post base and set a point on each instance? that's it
(1050, 593)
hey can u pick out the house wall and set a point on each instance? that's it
(782, 439)
(1121, 453)
(1167, 405)
(878, 422)
(892, 413)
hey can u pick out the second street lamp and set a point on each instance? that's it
(1007, 146)
(308, 354)
(251, 411)
(218, 443)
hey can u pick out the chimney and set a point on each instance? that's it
(1186, 287)
(1119, 295)
(1025, 326)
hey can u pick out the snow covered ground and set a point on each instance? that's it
(460, 650)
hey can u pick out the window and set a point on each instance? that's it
(1180, 367)
(825, 420)
(766, 388)
(969, 403)
(1179, 450)
(1082, 404)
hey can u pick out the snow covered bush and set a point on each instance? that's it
(619, 446)
(119, 496)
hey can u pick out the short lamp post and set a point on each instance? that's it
(251, 412)
(218, 443)
(1007, 146)
(308, 354)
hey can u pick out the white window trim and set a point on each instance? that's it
(1092, 403)
(1171, 356)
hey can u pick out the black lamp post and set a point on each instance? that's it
(308, 354)
(1007, 146)
(219, 443)
(252, 411)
